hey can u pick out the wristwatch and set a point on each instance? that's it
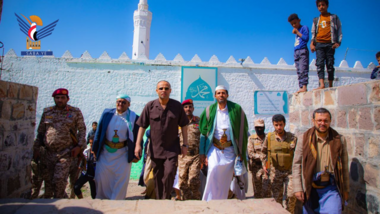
(187, 146)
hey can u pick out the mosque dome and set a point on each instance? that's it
(199, 90)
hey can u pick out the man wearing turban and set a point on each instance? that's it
(114, 145)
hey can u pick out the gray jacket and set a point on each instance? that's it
(336, 29)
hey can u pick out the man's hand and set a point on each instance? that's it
(378, 66)
(75, 151)
(300, 196)
(312, 47)
(335, 46)
(295, 31)
(138, 151)
(203, 159)
(265, 170)
(184, 151)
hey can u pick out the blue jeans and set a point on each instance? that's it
(326, 200)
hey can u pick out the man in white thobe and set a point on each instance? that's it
(224, 131)
(114, 144)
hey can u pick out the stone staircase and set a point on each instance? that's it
(87, 206)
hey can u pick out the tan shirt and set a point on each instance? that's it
(298, 179)
(323, 155)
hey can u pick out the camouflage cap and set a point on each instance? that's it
(259, 123)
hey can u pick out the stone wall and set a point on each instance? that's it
(355, 113)
(17, 124)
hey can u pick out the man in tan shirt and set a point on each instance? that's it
(320, 167)
(260, 180)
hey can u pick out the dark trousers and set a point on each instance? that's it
(141, 179)
(81, 181)
(301, 59)
(325, 55)
(164, 171)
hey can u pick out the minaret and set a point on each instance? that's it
(142, 19)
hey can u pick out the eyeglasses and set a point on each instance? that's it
(162, 88)
(121, 102)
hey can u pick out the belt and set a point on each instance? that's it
(221, 146)
(118, 145)
(315, 186)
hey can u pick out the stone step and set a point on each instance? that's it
(84, 206)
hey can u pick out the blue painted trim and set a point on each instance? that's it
(286, 99)
(255, 102)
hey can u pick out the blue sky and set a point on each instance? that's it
(205, 27)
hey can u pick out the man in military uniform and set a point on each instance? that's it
(278, 152)
(190, 165)
(259, 178)
(62, 133)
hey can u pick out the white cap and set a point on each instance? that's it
(220, 87)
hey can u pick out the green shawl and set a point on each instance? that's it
(236, 115)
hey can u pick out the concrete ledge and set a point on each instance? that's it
(15, 206)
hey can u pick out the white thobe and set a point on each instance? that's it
(220, 163)
(176, 180)
(112, 169)
(222, 122)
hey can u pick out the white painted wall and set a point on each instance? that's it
(93, 84)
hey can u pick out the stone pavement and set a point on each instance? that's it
(87, 206)
(135, 203)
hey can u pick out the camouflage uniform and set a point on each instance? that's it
(73, 176)
(37, 175)
(280, 172)
(260, 181)
(53, 134)
(190, 165)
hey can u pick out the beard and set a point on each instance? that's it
(221, 101)
(319, 130)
